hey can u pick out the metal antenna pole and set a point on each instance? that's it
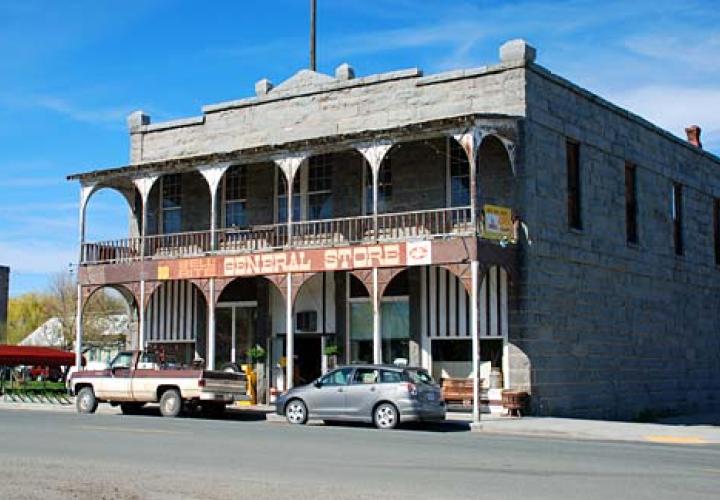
(313, 8)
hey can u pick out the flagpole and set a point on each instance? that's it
(313, 5)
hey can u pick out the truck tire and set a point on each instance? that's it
(171, 403)
(131, 408)
(85, 401)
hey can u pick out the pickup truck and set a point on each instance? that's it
(135, 378)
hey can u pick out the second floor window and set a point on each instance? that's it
(572, 150)
(235, 193)
(384, 187)
(459, 175)
(312, 191)
(677, 218)
(171, 203)
(631, 227)
(319, 187)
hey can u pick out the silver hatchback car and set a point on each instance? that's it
(382, 394)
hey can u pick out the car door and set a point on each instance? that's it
(325, 398)
(362, 393)
(116, 387)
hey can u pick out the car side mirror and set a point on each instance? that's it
(317, 383)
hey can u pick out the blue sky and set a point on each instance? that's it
(70, 72)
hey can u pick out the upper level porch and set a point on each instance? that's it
(424, 182)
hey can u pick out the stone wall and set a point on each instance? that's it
(311, 105)
(609, 329)
(4, 294)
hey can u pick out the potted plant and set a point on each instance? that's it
(257, 357)
(332, 351)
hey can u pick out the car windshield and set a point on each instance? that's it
(421, 376)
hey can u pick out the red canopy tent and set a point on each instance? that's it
(13, 355)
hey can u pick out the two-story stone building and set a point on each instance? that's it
(387, 217)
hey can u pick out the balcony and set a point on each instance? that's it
(415, 225)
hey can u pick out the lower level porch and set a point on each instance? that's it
(419, 315)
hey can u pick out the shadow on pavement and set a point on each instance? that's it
(240, 415)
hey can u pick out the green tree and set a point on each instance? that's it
(26, 313)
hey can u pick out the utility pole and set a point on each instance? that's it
(313, 8)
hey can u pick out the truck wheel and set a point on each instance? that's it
(131, 408)
(85, 401)
(171, 403)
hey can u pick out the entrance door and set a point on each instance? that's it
(234, 332)
(308, 362)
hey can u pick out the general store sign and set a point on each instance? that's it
(330, 259)
(300, 261)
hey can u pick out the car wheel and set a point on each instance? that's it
(85, 401)
(171, 403)
(296, 412)
(131, 408)
(385, 416)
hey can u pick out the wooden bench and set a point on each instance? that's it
(458, 389)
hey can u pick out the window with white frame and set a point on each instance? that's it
(319, 187)
(458, 175)
(384, 187)
(171, 203)
(281, 197)
(235, 196)
(312, 191)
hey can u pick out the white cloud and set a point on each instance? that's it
(674, 107)
(36, 256)
(698, 50)
(103, 115)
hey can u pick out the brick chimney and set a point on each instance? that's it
(693, 135)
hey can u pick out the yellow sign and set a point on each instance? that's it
(498, 222)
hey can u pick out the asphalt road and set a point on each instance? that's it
(61, 455)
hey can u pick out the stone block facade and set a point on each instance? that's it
(608, 328)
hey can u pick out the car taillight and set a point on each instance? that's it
(201, 382)
(412, 390)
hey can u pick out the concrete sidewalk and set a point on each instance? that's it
(678, 430)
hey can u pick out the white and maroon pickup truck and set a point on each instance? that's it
(134, 378)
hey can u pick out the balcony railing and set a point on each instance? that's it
(424, 224)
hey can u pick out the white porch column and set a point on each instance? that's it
(86, 191)
(289, 165)
(377, 333)
(210, 361)
(141, 316)
(79, 329)
(213, 175)
(374, 155)
(144, 186)
(290, 338)
(474, 270)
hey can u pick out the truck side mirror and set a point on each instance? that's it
(317, 383)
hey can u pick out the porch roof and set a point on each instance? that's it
(269, 151)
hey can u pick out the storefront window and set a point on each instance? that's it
(361, 334)
(395, 319)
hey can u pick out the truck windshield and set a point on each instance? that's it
(122, 360)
